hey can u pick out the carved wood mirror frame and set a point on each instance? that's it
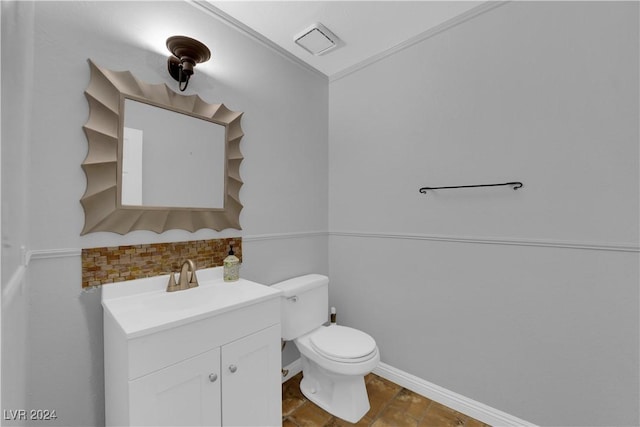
(101, 201)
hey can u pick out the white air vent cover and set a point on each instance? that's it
(317, 39)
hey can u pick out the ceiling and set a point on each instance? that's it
(367, 29)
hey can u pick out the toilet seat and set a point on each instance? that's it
(343, 344)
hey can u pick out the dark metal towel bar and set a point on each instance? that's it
(515, 185)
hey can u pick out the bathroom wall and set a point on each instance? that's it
(284, 172)
(524, 300)
(527, 300)
(17, 44)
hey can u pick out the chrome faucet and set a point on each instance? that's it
(187, 278)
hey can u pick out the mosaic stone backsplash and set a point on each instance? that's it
(119, 263)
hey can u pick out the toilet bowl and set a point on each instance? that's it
(334, 380)
(334, 358)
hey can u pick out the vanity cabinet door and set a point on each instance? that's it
(251, 380)
(184, 394)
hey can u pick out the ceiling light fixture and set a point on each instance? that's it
(317, 39)
(187, 52)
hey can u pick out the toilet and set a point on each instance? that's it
(335, 358)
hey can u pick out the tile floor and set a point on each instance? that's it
(391, 406)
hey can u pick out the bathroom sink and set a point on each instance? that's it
(143, 306)
(204, 297)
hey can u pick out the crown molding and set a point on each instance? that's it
(227, 19)
(456, 20)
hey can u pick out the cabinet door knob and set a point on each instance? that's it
(213, 377)
(233, 368)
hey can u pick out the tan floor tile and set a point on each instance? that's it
(292, 385)
(290, 404)
(441, 416)
(391, 406)
(394, 417)
(310, 415)
(288, 423)
(386, 381)
(381, 392)
(472, 422)
(292, 397)
(467, 420)
(413, 404)
(338, 422)
(291, 388)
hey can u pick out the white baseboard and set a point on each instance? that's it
(293, 369)
(477, 410)
(448, 398)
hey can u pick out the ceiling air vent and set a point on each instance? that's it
(317, 39)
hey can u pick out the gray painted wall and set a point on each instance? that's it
(505, 312)
(485, 291)
(285, 174)
(17, 44)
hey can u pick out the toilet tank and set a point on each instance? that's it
(305, 304)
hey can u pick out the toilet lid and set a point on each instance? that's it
(342, 342)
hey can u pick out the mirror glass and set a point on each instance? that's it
(171, 159)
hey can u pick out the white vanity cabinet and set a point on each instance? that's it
(180, 394)
(229, 385)
(206, 356)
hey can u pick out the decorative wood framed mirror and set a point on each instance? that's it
(158, 160)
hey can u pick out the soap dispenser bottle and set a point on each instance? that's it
(231, 267)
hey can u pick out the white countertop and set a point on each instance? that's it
(142, 306)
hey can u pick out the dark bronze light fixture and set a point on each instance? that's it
(187, 52)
